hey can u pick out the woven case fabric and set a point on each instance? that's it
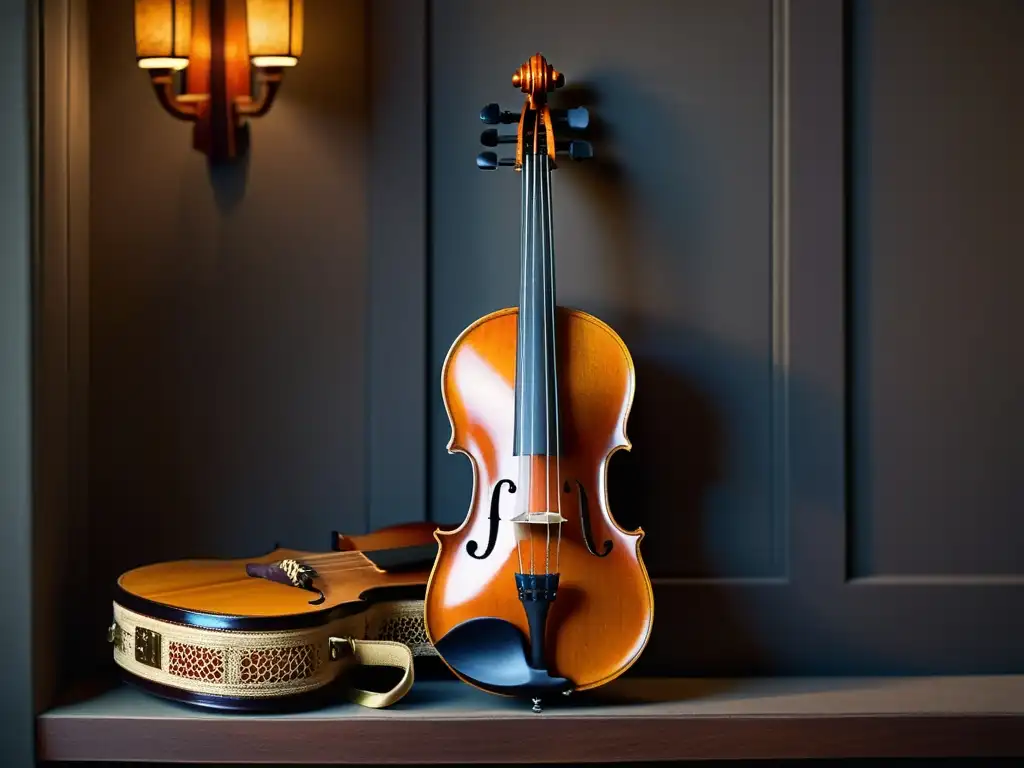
(262, 664)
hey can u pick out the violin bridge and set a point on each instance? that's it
(525, 519)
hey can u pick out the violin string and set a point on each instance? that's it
(330, 557)
(545, 266)
(343, 569)
(335, 558)
(330, 562)
(521, 344)
(533, 322)
(335, 567)
(554, 346)
(329, 567)
(335, 570)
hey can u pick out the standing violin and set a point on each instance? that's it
(539, 591)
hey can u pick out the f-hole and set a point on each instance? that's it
(492, 532)
(588, 534)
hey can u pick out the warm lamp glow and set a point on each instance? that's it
(275, 32)
(159, 62)
(222, 43)
(274, 61)
(163, 33)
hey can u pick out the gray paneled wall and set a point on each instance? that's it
(16, 122)
(824, 427)
(666, 236)
(938, 372)
(228, 308)
(823, 406)
(228, 311)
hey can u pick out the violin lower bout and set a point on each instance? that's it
(601, 618)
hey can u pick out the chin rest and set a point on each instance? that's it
(492, 654)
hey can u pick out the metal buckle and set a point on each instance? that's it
(147, 647)
(115, 636)
(336, 644)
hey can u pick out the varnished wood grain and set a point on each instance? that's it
(223, 586)
(602, 617)
(392, 536)
(637, 720)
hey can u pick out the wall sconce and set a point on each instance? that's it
(212, 47)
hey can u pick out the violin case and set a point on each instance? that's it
(280, 650)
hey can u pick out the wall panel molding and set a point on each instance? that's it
(397, 366)
(781, 460)
(714, 373)
(62, 337)
(816, 364)
(810, 612)
(19, 46)
(780, 498)
(935, 372)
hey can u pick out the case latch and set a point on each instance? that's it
(147, 647)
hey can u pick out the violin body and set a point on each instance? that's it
(539, 590)
(278, 631)
(601, 620)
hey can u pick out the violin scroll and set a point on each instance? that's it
(536, 78)
(536, 122)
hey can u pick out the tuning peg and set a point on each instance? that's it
(492, 114)
(576, 149)
(577, 118)
(488, 161)
(491, 138)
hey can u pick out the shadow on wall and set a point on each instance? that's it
(681, 455)
(226, 311)
(228, 179)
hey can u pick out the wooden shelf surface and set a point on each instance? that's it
(630, 720)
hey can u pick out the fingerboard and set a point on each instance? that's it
(537, 424)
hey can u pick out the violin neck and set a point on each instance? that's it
(537, 423)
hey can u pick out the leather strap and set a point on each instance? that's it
(380, 653)
(176, 654)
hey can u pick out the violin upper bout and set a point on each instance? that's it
(442, 537)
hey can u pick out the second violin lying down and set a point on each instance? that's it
(281, 631)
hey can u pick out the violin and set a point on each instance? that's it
(539, 591)
(281, 631)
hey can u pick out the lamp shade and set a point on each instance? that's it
(275, 32)
(163, 33)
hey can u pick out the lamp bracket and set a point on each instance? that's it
(187, 106)
(269, 83)
(219, 93)
(190, 106)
